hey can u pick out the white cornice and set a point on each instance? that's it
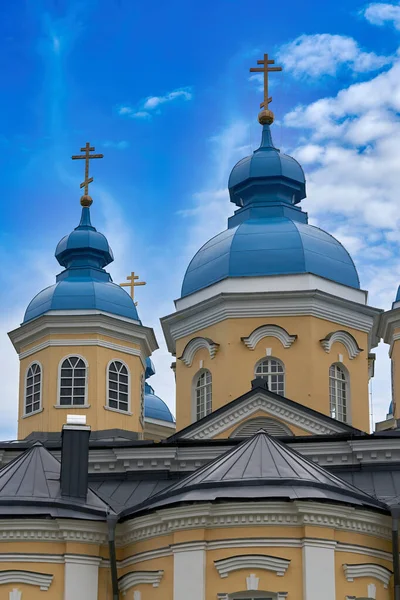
(126, 582)
(86, 322)
(343, 337)
(282, 514)
(270, 304)
(80, 342)
(279, 566)
(368, 570)
(194, 345)
(264, 331)
(389, 321)
(53, 530)
(271, 406)
(41, 580)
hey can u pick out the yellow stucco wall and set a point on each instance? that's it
(52, 418)
(306, 365)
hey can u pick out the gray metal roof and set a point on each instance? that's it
(261, 467)
(30, 484)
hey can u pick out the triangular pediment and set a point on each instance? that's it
(258, 403)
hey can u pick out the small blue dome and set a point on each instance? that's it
(154, 407)
(84, 284)
(268, 234)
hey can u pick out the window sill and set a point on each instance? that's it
(70, 406)
(35, 412)
(117, 410)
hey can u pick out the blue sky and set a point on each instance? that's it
(163, 90)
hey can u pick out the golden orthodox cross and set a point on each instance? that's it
(132, 283)
(87, 156)
(265, 69)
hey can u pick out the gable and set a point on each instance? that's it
(260, 402)
(262, 420)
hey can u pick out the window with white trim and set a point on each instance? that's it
(118, 386)
(203, 394)
(338, 392)
(273, 371)
(33, 388)
(73, 378)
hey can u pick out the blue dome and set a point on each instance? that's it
(268, 234)
(155, 408)
(83, 285)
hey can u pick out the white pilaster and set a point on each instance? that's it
(190, 571)
(318, 570)
(81, 577)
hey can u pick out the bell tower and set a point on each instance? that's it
(82, 346)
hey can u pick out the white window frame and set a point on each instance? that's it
(108, 407)
(194, 394)
(34, 412)
(70, 406)
(270, 374)
(346, 379)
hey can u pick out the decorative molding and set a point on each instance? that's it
(251, 561)
(15, 594)
(126, 582)
(41, 580)
(80, 342)
(315, 303)
(273, 407)
(343, 337)
(54, 530)
(264, 331)
(368, 570)
(137, 595)
(232, 514)
(194, 345)
(88, 322)
(252, 582)
(371, 591)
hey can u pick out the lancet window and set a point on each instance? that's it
(33, 388)
(203, 394)
(338, 392)
(118, 386)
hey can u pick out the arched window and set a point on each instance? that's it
(73, 378)
(273, 371)
(118, 386)
(33, 388)
(203, 394)
(338, 392)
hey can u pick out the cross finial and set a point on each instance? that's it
(132, 283)
(266, 116)
(86, 199)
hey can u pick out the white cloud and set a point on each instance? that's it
(380, 13)
(147, 107)
(323, 54)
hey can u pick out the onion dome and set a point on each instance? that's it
(261, 468)
(269, 234)
(84, 284)
(154, 407)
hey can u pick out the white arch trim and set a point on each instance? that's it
(194, 345)
(137, 577)
(41, 580)
(345, 338)
(370, 570)
(264, 331)
(251, 561)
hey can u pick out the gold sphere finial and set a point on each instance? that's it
(86, 201)
(266, 117)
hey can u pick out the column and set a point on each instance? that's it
(81, 577)
(190, 571)
(318, 569)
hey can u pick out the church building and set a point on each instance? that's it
(269, 484)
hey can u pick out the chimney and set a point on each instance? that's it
(75, 457)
